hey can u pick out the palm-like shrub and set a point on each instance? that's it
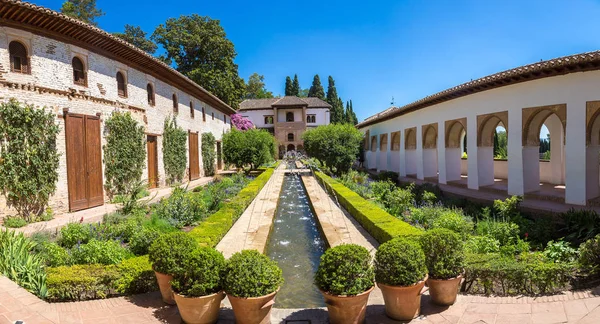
(345, 270)
(18, 263)
(400, 262)
(250, 273)
(444, 253)
(167, 251)
(589, 255)
(200, 273)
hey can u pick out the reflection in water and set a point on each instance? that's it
(296, 244)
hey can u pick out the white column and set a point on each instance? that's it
(592, 172)
(402, 152)
(575, 150)
(485, 165)
(515, 152)
(442, 163)
(473, 174)
(419, 152)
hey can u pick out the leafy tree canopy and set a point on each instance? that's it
(255, 89)
(201, 51)
(84, 10)
(295, 86)
(335, 145)
(337, 105)
(249, 149)
(136, 36)
(316, 89)
(288, 86)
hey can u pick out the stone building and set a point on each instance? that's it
(286, 118)
(83, 75)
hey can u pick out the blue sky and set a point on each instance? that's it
(380, 49)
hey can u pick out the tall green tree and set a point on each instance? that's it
(255, 89)
(316, 89)
(136, 36)
(288, 86)
(349, 115)
(303, 93)
(337, 107)
(336, 146)
(296, 86)
(84, 10)
(199, 47)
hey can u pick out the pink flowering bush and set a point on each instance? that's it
(241, 123)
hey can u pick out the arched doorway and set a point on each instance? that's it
(372, 163)
(491, 170)
(430, 158)
(395, 152)
(382, 158)
(281, 150)
(291, 147)
(410, 151)
(592, 169)
(455, 148)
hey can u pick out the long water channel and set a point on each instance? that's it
(296, 244)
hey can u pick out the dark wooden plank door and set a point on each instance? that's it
(84, 161)
(152, 161)
(194, 159)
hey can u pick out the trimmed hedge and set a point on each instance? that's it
(135, 275)
(379, 223)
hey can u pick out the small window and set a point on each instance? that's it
(191, 109)
(289, 117)
(268, 120)
(225, 118)
(213, 116)
(150, 91)
(291, 137)
(19, 61)
(175, 104)
(310, 119)
(78, 72)
(121, 85)
(203, 115)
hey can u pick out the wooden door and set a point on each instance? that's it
(219, 156)
(84, 161)
(152, 148)
(194, 159)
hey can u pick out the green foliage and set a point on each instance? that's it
(400, 262)
(28, 157)
(80, 282)
(560, 251)
(142, 239)
(316, 89)
(99, 252)
(135, 276)
(515, 248)
(589, 255)
(345, 270)
(255, 89)
(252, 148)
(174, 150)
(74, 233)
(482, 244)
(399, 201)
(288, 86)
(336, 146)
(509, 208)
(209, 153)
(177, 208)
(501, 145)
(444, 253)
(84, 10)
(55, 255)
(200, 273)
(504, 232)
(580, 225)
(201, 51)
(337, 106)
(453, 219)
(124, 153)
(14, 222)
(250, 273)
(166, 252)
(429, 198)
(295, 87)
(19, 264)
(136, 36)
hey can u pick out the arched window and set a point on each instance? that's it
(121, 85)
(203, 115)
(79, 75)
(268, 120)
(19, 61)
(289, 117)
(175, 104)
(291, 137)
(310, 119)
(150, 91)
(192, 109)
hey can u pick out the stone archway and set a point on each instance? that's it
(410, 151)
(487, 169)
(592, 138)
(382, 156)
(454, 137)
(430, 158)
(291, 147)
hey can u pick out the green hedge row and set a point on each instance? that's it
(135, 275)
(379, 223)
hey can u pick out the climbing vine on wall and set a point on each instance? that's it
(28, 157)
(124, 153)
(174, 151)
(209, 153)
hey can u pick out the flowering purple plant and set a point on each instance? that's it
(240, 122)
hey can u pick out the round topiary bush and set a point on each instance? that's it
(345, 270)
(167, 251)
(400, 262)
(589, 255)
(250, 273)
(200, 274)
(444, 253)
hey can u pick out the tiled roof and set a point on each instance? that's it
(49, 23)
(287, 101)
(558, 66)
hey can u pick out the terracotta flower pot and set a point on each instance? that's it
(403, 303)
(347, 309)
(443, 291)
(199, 310)
(165, 287)
(252, 310)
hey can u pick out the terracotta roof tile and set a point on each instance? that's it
(287, 101)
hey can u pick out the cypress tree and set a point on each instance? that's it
(496, 145)
(316, 89)
(288, 86)
(295, 86)
(354, 118)
(332, 99)
(347, 114)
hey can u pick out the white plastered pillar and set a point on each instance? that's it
(531, 168)
(515, 152)
(472, 165)
(452, 163)
(442, 153)
(592, 171)
(575, 150)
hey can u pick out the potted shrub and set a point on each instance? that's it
(251, 281)
(400, 273)
(165, 254)
(345, 277)
(444, 257)
(197, 286)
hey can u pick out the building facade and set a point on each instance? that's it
(286, 118)
(425, 139)
(83, 74)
